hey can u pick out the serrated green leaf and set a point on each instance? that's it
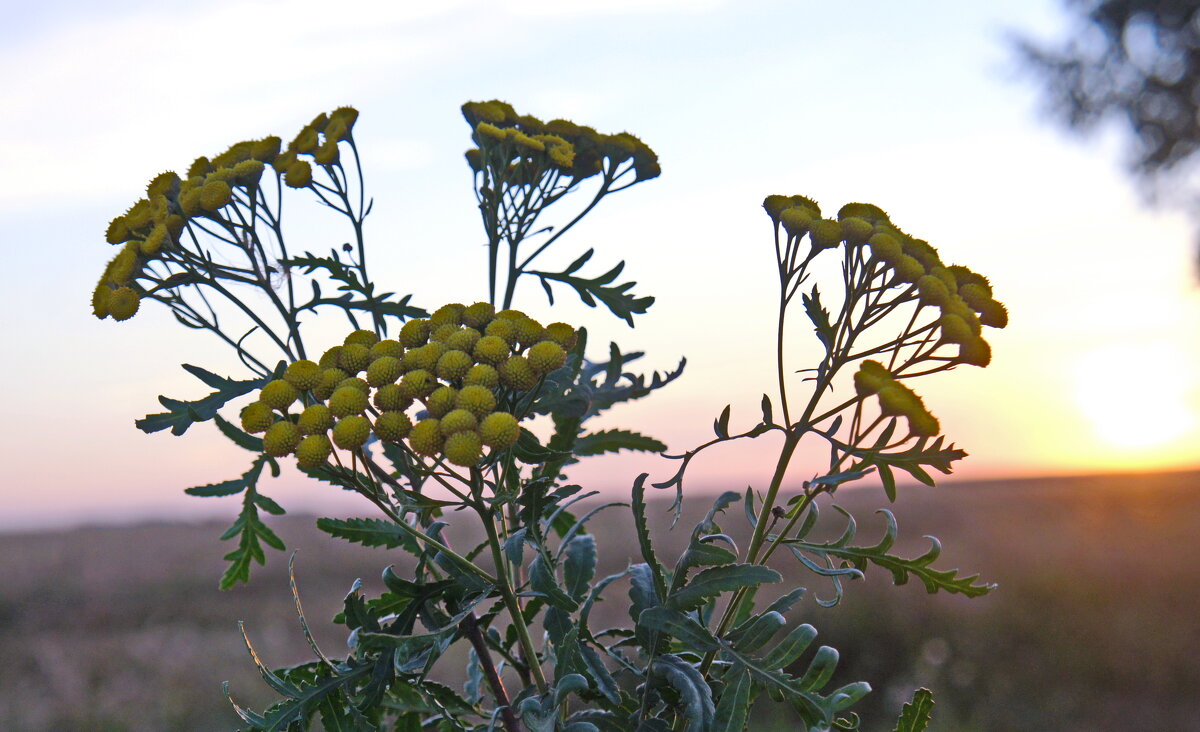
(733, 708)
(638, 507)
(616, 298)
(368, 532)
(915, 715)
(615, 440)
(713, 581)
(900, 567)
(580, 565)
(819, 317)
(543, 582)
(695, 636)
(183, 414)
(238, 437)
(600, 676)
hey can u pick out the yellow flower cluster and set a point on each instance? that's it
(457, 365)
(153, 224)
(317, 140)
(963, 297)
(576, 150)
(895, 399)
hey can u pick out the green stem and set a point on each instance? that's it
(503, 581)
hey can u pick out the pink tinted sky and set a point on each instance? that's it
(1097, 372)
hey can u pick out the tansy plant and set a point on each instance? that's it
(426, 414)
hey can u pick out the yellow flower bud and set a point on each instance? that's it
(993, 314)
(163, 184)
(463, 448)
(100, 299)
(154, 241)
(517, 374)
(117, 232)
(327, 153)
(453, 365)
(303, 374)
(441, 401)
(346, 401)
(362, 337)
(928, 257)
(278, 394)
(387, 347)
(390, 398)
(414, 333)
(870, 378)
(257, 417)
(393, 426)
(315, 419)
(796, 221)
(487, 133)
(546, 356)
(481, 374)
(200, 166)
(123, 303)
(305, 140)
(281, 438)
(491, 350)
(355, 383)
(248, 172)
(330, 378)
(866, 211)
(975, 351)
(426, 437)
(442, 332)
(932, 291)
(463, 339)
(856, 231)
(458, 420)
(354, 357)
(351, 433)
(562, 334)
(776, 205)
(499, 430)
(266, 149)
(418, 383)
(504, 329)
(908, 269)
(825, 234)
(215, 194)
(954, 329)
(476, 399)
(449, 313)
(974, 295)
(529, 331)
(384, 370)
(298, 174)
(313, 451)
(138, 215)
(526, 143)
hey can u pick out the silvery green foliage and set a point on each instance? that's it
(701, 648)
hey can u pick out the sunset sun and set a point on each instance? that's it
(1135, 396)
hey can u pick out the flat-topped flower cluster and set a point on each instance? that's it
(468, 370)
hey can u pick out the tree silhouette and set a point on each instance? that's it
(1136, 62)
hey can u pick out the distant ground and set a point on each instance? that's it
(1094, 626)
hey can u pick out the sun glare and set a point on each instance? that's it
(1136, 395)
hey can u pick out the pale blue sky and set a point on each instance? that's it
(915, 106)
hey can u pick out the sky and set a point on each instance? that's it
(919, 108)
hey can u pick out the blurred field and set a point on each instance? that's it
(1095, 626)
